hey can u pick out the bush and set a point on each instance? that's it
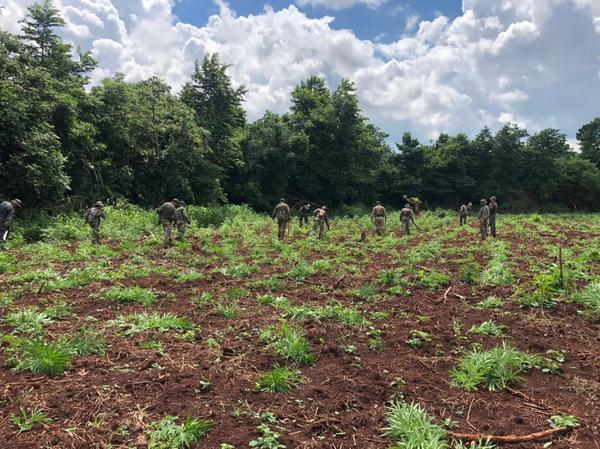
(167, 434)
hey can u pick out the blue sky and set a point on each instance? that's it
(386, 23)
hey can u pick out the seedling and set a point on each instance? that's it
(167, 434)
(279, 380)
(29, 419)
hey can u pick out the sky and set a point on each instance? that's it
(424, 66)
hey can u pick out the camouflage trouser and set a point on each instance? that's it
(405, 226)
(282, 225)
(493, 225)
(3, 229)
(181, 225)
(379, 223)
(95, 234)
(168, 227)
(303, 219)
(463, 220)
(483, 226)
(320, 225)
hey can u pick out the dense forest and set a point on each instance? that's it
(141, 142)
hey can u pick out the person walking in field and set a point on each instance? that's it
(463, 214)
(321, 220)
(406, 216)
(181, 220)
(166, 215)
(93, 216)
(7, 214)
(282, 213)
(493, 211)
(379, 217)
(484, 218)
(304, 213)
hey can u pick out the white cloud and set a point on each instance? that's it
(411, 22)
(531, 62)
(340, 4)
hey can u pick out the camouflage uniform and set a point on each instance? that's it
(493, 210)
(484, 217)
(303, 213)
(181, 220)
(282, 213)
(93, 217)
(7, 214)
(379, 217)
(166, 214)
(464, 212)
(321, 219)
(406, 215)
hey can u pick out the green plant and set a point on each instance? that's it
(268, 440)
(228, 309)
(489, 328)
(28, 321)
(433, 279)
(301, 271)
(291, 344)
(412, 428)
(589, 297)
(367, 291)
(87, 342)
(469, 272)
(418, 338)
(129, 295)
(279, 379)
(167, 434)
(494, 368)
(58, 311)
(491, 302)
(28, 419)
(39, 356)
(142, 322)
(563, 421)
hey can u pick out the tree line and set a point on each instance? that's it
(141, 142)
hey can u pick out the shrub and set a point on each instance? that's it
(413, 428)
(39, 356)
(589, 297)
(291, 344)
(28, 321)
(167, 434)
(279, 380)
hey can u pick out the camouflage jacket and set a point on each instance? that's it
(181, 215)
(321, 215)
(93, 216)
(463, 210)
(378, 211)
(304, 211)
(166, 211)
(484, 213)
(281, 211)
(7, 212)
(493, 207)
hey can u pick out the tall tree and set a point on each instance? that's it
(589, 140)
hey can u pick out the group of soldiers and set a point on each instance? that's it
(169, 213)
(486, 216)
(174, 212)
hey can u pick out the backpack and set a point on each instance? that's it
(92, 215)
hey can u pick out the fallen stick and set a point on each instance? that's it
(508, 438)
(458, 296)
(446, 294)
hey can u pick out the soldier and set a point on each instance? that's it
(282, 213)
(469, 207)
(483, 216)
(463, 213)
(7, 213)
(303, 213)
(181, 220)
(166, 214)
(321, 219)
(493, 210)
(379, 218)
(92, 217)
(406, 216)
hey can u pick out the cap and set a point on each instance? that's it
(17, 202)
(493, 198)
(99, 204)
(378, 202)
(483, 202)
(282, 200)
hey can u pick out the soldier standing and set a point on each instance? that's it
(484, 217)
(181, 220)
(7, 214)
(493, 210)
(406, 216)
(303, 213)
(166, 214)
(92, 217)
(321, 219)
(379, 218)
(464, 212)
(282, 213)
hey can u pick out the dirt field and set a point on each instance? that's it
(385, 319)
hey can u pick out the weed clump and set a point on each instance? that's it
(167, 434)
(279, 380)
(130, 295)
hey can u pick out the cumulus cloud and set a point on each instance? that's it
(531, 62)
(341, 4)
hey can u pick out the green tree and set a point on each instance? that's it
(589, 140)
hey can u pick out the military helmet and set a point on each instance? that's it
(16, 202)
(182, 203)
(378, 203)
(282, 200)
(493, 198)
(99, 204)
(483, 202)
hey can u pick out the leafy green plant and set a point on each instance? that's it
(418, 338)
(28, 321)
(130, 295)
(142, 322)
(494, 368)
(39, 356)
(268, 440)
(489, 328)
(469, 272)
(498, 271)
(29, 419)
(589, 297)
(58, 311)
(87, 342)
(291, 344)
(229, 309)
(433, 279)
(412, 428)
(167, 434)
(491, 302)
(279, 379)
(367, 291)
(301, 271)
(563, 421)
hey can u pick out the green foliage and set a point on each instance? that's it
(489, 328)
(289, 343)
(167, 434)
(563, 421)
(491, 302)
(143, 322)
(367, 291)
(86, 342)
(589, 297)
(130, 295)
(279, 380)
(39, 356)
(469, 272)
(494, 368)
(301, 271)
(29, 419)
(268, 440)
(411, 427)
(433, 279)
(498, 271)
(418, 338)
(28, 321)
